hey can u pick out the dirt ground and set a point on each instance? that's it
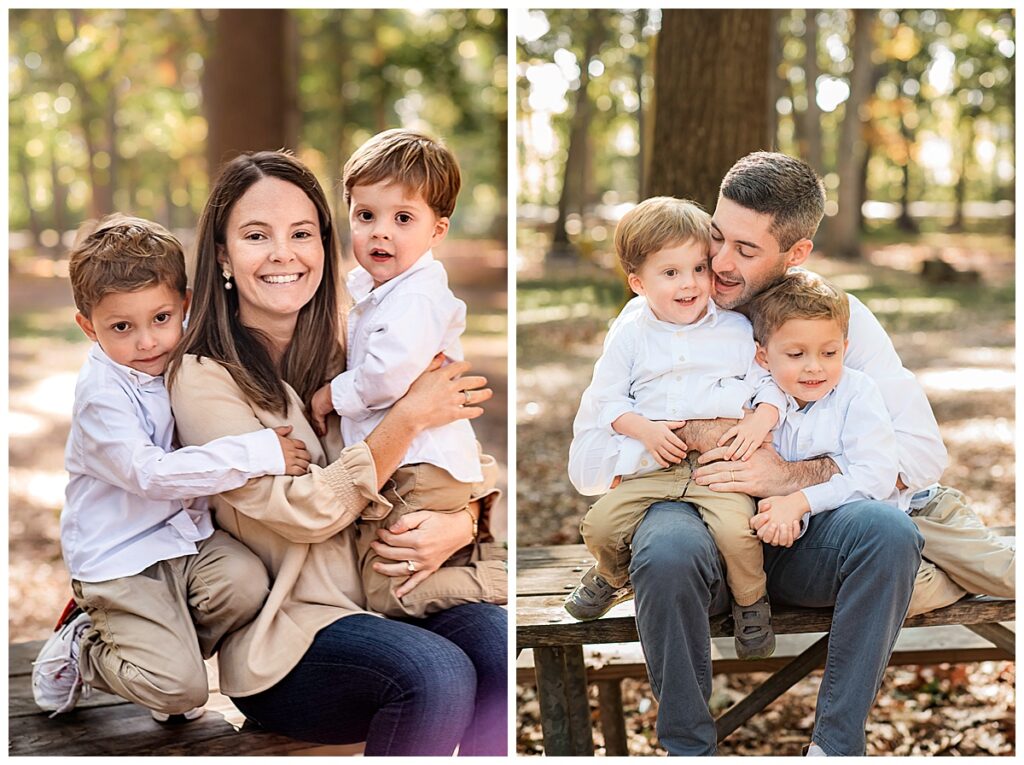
(45, 353)
(959, 341)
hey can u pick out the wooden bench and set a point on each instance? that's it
(107, 725)
(559, 663)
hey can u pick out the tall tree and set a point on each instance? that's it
(844, 230)
(710, 109)
(247, 86)
(574, 179)
(811, 115)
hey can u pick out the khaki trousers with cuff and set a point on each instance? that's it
(477, 573)
(151, 631)
(961, 555)
(609, 526)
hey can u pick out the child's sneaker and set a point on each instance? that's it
(594, 596)
(193, 714)
(56, 679)
(752, 628)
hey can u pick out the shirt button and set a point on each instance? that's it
(682, 358)
(679, 377)
(643, 463)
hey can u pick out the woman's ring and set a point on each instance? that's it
(466, 394)
(411, 566)
(732, 476)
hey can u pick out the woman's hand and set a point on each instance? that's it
(424, 537)
(441, 395)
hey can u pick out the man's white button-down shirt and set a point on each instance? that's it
(851, 426)
(124, 508)
(393, 333)
(662, 371)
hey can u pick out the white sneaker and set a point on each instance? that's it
(193, 714)
(56, 679)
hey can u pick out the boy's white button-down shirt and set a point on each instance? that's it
(851, 426)
(124, 508)
(921, 453)
(393, 333)
(663, 371)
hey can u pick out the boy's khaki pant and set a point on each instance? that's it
(151, 631)
(609, 526)
(475, 574)
(961, 555)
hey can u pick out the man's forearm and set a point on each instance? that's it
(799, 475)
(703, 435)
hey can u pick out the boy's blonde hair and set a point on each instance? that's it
(800, 295)
(657, 223)
(415, 160)
(124, 254)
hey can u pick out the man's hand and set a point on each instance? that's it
(319, 408)
(765, 474)
(656, 435)
(778, 519)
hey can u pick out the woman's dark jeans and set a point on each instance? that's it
(416, 687)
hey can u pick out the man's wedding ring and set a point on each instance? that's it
(411, 566)
(466, 394)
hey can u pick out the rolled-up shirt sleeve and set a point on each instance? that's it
(114, 448)
(921, 454)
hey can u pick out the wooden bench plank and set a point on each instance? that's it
(541, 620)
(105, 724)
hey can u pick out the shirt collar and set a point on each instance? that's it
(141, 380)
(360, 283)
(710, 317)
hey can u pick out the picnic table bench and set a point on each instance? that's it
(108, 725)
(972, 629)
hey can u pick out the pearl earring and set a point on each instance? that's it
(227, 279)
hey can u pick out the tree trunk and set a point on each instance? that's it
(775, 82)
(26, 189)
(499, 226)
(904, 222)
(811, 116)
(966, 149)
(711, 106)
(573, 186)
(247, 93)
(851, 155)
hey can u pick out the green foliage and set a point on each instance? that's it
(942, 102)
(105, 106)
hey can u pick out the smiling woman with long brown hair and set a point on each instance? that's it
(264, 333)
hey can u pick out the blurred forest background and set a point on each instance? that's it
(134, 111)
(909, 118)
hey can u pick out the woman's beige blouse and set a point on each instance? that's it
(301, 527)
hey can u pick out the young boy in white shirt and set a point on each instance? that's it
(801, 326)
(677, 358)
(156, 587)
(401, 188)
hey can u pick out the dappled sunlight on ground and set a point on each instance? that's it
(966, 379)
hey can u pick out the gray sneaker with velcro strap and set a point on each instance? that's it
(594, 596)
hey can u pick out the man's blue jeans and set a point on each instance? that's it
(416, 687)
(860, 558)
